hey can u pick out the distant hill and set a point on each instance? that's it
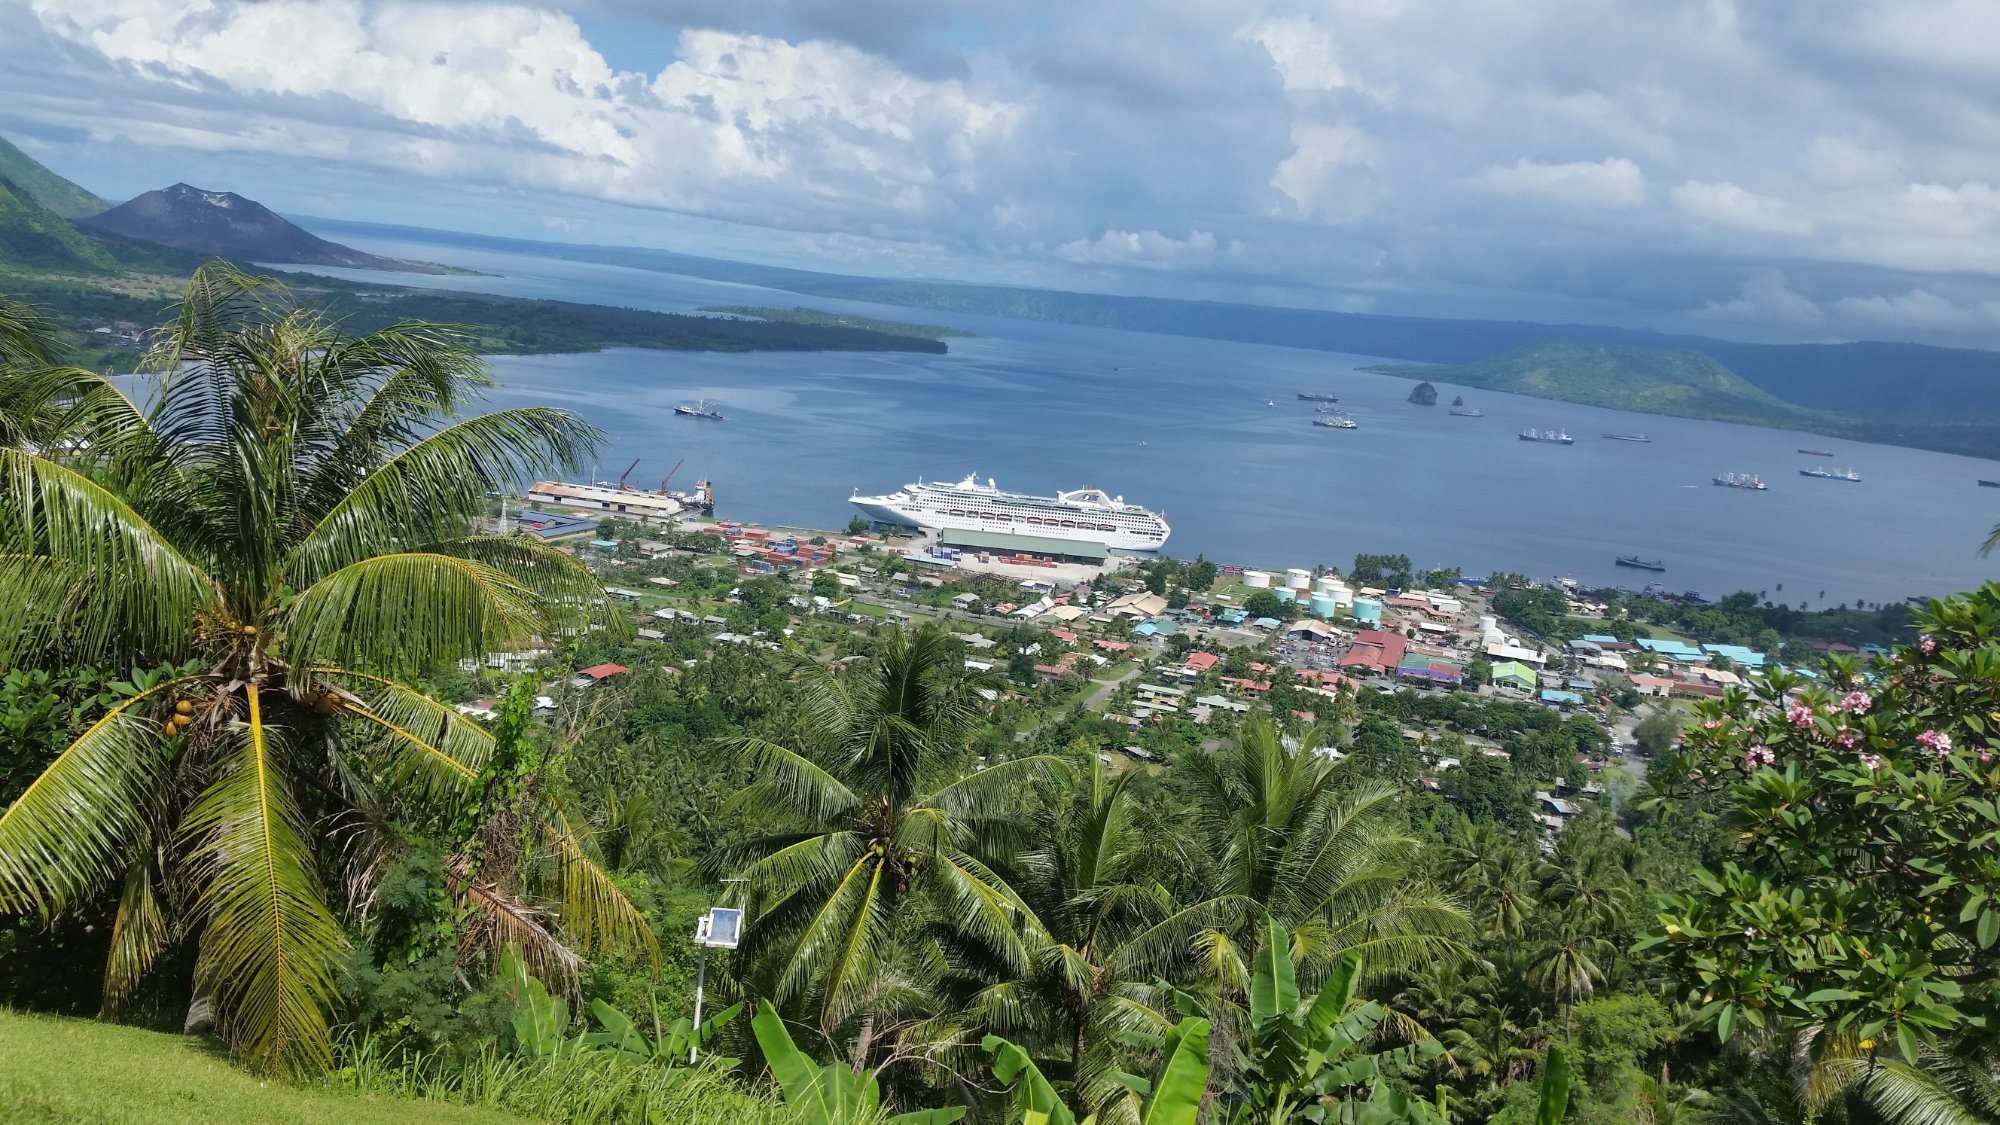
(47, 188)
(225, 224)
(1678, 381)
(32, 237)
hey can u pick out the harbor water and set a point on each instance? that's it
(1211, 433)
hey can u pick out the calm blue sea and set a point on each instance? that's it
(1209, 432)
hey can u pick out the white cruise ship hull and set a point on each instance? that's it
(963, 508)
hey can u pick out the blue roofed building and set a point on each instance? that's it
(1561, 698)
(1737, 654)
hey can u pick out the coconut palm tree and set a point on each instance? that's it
(35, 391)
(289, 521)
(876, 829)
(1324, 854)
(1084, 994)
(1495, 881)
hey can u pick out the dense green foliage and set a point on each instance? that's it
(34, 237)
(45, 187)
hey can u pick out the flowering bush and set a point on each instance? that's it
(1859, 888)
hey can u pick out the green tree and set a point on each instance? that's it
(292, 511)
(872, 825)
(1656, 733)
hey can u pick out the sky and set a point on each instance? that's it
(1760, 170)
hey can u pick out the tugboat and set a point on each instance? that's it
(1305, 396)
(1832, 474)
(1638, 563)
(1549, 437)
(1742, 480)
(699, 410)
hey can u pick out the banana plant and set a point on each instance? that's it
(1172, 1097)
(542, 1026)
(830, 1094)
(1556, 1087)
(1305, 1058)
(618, 1034)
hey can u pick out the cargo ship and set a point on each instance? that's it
(1984, 483)
(1083, 514)
(1638, 563)
(1309, 396)
(1817, 452)
(1550, 437)
(1742, 480)
(1338, 422)
(1831, 474)
(1628, 437)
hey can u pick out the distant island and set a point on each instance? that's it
(821, 318)
(1424, 395)
(1677, 381)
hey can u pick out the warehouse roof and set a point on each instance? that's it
(1026, 544)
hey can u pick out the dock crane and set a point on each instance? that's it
(622, 486)
(671, 472)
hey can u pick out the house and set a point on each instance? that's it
(964, 601)
(1556, 805)
(1050, 671)
(1514, 674)
(1140, 605)
(1658, 687)
(1112, 646)
(1561, 698)
(1223, 703)
(651, 635)
(1063, 635)
(1254, 687)
(476, 709)
(596, 674)
(1199, 662)
(1375, 652)
(1515, 653)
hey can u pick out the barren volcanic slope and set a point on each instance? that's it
(226, 224)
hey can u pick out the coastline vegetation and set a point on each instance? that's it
(842, 320)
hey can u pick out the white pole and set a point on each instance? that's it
(700, 979)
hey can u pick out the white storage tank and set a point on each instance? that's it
(1489, 624)
(1256, 580)
(1328, 585)
(1343, 598)
(1298, 579)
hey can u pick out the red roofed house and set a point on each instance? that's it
(1376, 652)
(1254, 687)
(1202, 661)
(1113, 646)
(1063, 635)
(597, 673)
(1050, 671)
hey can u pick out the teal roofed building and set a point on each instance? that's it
(1737, 654)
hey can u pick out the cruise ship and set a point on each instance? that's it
(1085, 514)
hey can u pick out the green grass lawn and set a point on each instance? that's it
(83, 1071)
(1656, 632)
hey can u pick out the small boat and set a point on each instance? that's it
(699, 410)
(1638, 563)
(1467, 412)
(1983, 483)
(1328, 410)
(1831, 474)
(1306, 396)
(1628, 437)
(1817, 452)
(1742, 480)
(1549, 437)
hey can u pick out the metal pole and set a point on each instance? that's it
(700, 978)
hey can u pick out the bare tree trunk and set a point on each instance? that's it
(200, 1014)
(859, 1061)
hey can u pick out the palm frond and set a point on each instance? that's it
(138, 934)
(990, 790)
(790, 783)
(595, 911)
(495, 922)
(63, 836)
(432, 743)
(429, 491)
(411, 612)
(269, 943)
(132, 593)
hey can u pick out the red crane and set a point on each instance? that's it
(671, 472)
(622, 486)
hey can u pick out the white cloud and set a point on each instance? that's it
(1727, 205)
(1302, 50)
(1612, 182)
(1920, 308)
(1765, 298)
(1148, 249)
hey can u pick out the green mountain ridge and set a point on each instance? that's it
(62, 196)
(34, 237)
(1673, 381)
